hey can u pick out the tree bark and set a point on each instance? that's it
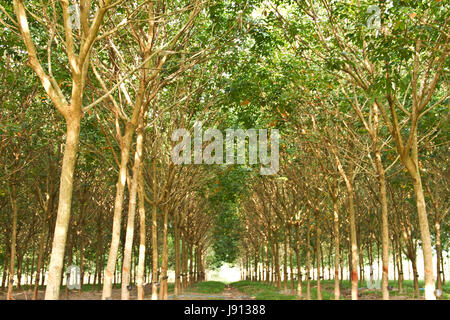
(129, 236)
(165, 257)
(337, 290)
(64, 204)
(142, 233)
(117, 218)
(13, 197)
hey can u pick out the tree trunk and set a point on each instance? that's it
(64, 204)
(412, 165)
(285, 262)
(426, 239)
(277, 263)
(13, 197)
(353, 240)
(299, 269)
(337, 291)
(142, 233)
(39, 262)
(438, 255)
(184, 259)
(415, 276)
(319, 289)
(177, 288)
(118, 205)
(165, 257)
(129, 236)
(154, 238)
(308, 261)
(400, 268)
(384, 223)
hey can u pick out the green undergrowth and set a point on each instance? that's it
(207, 287)
(261, 290)
(267, 291)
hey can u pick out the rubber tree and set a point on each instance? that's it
(71, 109)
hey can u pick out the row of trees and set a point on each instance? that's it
(86, 139)
(371, 98)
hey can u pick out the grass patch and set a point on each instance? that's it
(208, 287)
(265, 291)
(262, 291)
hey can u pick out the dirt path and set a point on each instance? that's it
(229, 293)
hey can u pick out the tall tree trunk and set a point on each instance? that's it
(412, 165)
(165, 258)
(125, 145)
(299, 269)
(384, 217)
(40, 257)
(277, 263)
(65, 202)
(267, 275)
(426, 239)
(415, 276)
(154, 238)
(177, 288)
(184, 259)
(308, 260)
(69, 262)
(285, 262)
(437, 226)
(337, 291)
(353, 240)
(129, 236)
(319, 289)
(13, 197)
(142, 233)
(400, 267)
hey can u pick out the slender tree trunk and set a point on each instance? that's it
(438, 255)
(117, 218)
(400, 267)
(129, 236)
(69, 262)
(185, 262)
(277, 263)
(426, 240)
(354, 247)
(412, 165)
(267, 278)
(319, 289)
(353, 240)
(165, 258)
(65, 201)
(291, 266)
(285, 262)
(142, 233)
(13, 197)
(337, 291)
(308, 261)
(154, 238)
(299, 269)
(177, 288)
(40, 257)
(384, 223)
(415, 277)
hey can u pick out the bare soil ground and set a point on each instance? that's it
(228, 294)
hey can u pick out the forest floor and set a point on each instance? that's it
(208, 290)
(241, 290)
